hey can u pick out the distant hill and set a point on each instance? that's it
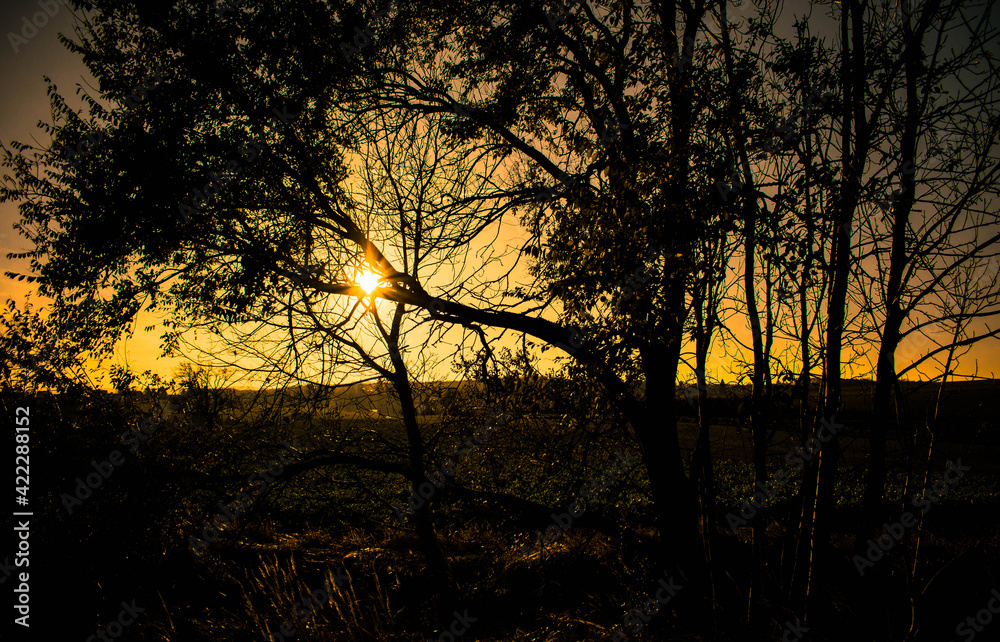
(962, 402)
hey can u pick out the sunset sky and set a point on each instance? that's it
(23, 102)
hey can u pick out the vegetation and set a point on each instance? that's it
(319, 196)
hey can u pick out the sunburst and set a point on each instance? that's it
(368, 281)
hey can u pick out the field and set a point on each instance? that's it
(135, 535)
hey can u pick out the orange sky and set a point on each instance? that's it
(23, 102)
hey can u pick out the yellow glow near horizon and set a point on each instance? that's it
(368, 281)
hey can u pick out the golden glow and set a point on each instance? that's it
(368, 281)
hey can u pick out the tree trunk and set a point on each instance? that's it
(902, 204)
(422, 520)
(702, 461)
(673, 492)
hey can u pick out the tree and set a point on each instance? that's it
(226, 242)
(934, 235)
(334, 143)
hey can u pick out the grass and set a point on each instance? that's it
(249, 582)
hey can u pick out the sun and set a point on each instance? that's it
(368, 281)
